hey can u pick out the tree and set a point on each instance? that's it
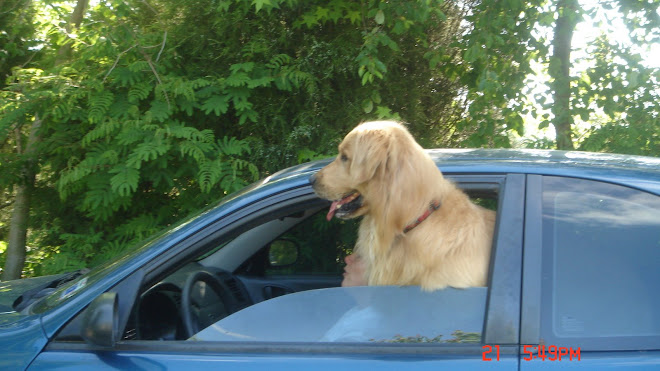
(150, 110)
(498, 48)
(619, 92)
(568, 16)
(18, 14)
(140, 125)
(616, 96)
(16, 248)
(625, 93)
(99, 167)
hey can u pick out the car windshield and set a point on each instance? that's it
(74, 286)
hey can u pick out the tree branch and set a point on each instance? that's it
(153, 69)
(117, 61)
(162, 46)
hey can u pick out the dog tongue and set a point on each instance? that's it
(333, 208)
(337, 204)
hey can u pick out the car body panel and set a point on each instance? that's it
(21, 341)
(135, 360)
(596, 361)
(506, 267)
(12, 290)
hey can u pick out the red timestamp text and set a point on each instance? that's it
(531, 352)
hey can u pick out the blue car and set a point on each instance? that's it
(253, 283)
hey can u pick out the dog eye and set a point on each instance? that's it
(344, 158)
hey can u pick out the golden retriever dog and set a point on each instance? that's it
(417, 228)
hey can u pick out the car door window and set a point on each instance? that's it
(601, 263)
(322, 245)
(363, 314)
(373, 314)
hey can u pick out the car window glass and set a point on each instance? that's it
(322, 245)
(376, 314)
(601, 259)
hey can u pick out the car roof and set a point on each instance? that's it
(637, 171)
(544, 159)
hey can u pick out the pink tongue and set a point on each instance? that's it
(333, 208)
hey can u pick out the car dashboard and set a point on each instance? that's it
(158, 314)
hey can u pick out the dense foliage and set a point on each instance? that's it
(121, 116)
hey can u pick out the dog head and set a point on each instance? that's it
(371, 162)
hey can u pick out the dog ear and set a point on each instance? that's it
(370, 155)
(407, 178)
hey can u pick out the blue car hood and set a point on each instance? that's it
(10, 291)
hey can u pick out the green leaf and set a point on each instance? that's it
(260, 82)
(472, 53)
(237, 79)
(125, 181)
(259, 4)
(218, 104)
(196, 150)
(233, 147)
(367, 105)
(139, 92)
(159, 110)
(383, 112)
(99, 104)
(322, 13)
(355, 16)
(310, 20)
(147, 151)
(103, 130)
(125, 76)
(375, 97)
(248, 114)
(211, 172)
(279, 60)
(247, 67)
(380, 17)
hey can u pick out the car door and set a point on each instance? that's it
(591, 276)
(495, 346)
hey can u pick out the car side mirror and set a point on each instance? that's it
(282, 253)
(100, 322)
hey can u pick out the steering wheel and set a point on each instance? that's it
(196, 315)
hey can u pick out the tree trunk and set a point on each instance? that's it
(16, 249)
(568, 12)
(18, 226)
(64, 53)
(17, 234)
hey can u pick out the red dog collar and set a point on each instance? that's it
(435, 205)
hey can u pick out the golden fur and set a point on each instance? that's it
(397, 181)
